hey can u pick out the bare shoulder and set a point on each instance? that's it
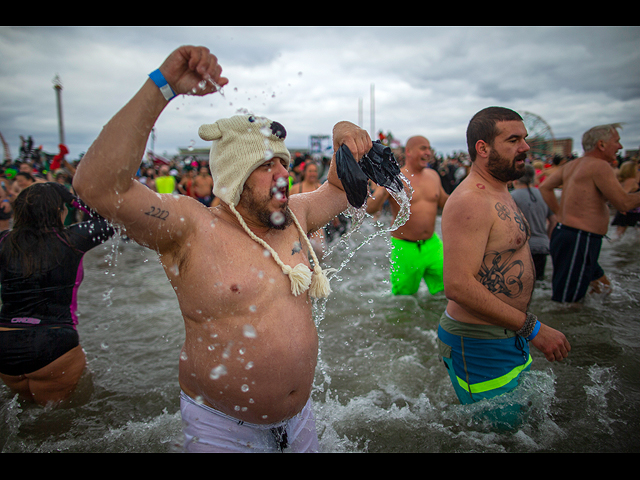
(469, 204)
(470, 193)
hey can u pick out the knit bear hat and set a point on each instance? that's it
(240, 145)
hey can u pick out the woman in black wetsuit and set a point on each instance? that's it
(40, 273)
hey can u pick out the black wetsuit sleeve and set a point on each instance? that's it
(90, 233)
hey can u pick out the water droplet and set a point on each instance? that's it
(277, 218)
(249, 332)
(281, 182)
(252, 308)
(244, 388)
(217, 372)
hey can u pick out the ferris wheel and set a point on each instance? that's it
(540, 136)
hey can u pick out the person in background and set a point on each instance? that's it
(202, 188)
(6, 211)
(539, 216)
(628, 177)
(185, 186)
(165, 182)
(40, 272)
(416, 248)
(310, 183)
(588, 184)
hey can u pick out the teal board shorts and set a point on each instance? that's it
(483, 361)
(413, 261)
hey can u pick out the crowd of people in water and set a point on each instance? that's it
(192, 177)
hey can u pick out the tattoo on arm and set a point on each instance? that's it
(157, 213)
(498, 275)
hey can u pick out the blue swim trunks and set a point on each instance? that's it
(483, 361)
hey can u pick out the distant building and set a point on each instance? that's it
(563, 146)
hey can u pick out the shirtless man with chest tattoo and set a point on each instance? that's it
(488, 270)
(240, 270)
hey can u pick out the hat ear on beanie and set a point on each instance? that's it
(240, 145)
(209, 132)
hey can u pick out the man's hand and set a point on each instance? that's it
(354, 137)
(193, 71)
(552, 343)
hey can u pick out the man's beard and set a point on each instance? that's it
(503, 169)
(278, 219)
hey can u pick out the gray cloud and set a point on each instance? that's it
(427, 80)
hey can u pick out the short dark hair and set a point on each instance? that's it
(483, 126)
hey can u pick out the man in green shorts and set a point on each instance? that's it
(416, 249)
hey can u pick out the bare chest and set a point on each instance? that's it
(507, 267)
(224, 273)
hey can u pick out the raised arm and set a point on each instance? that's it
(105, 177)
(323, 204)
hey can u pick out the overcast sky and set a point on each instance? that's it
(427, 80)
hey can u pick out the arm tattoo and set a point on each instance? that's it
(157, 213)
(500, 276)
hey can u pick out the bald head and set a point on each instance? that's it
(418, 152)
(416, 140)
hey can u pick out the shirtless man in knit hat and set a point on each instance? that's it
(240, 270)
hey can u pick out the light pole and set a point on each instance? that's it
(57, 86)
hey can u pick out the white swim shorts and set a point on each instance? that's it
(207, 430)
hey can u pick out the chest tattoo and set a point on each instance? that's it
(505, 213)
(297, 247)
(500, 275)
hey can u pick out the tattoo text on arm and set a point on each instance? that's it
(157, 213)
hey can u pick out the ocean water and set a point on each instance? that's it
(379, 385)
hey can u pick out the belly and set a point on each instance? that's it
(256, 372)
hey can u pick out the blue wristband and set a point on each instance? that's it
(162, 84)
(536, 329)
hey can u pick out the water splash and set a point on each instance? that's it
(358, 215)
